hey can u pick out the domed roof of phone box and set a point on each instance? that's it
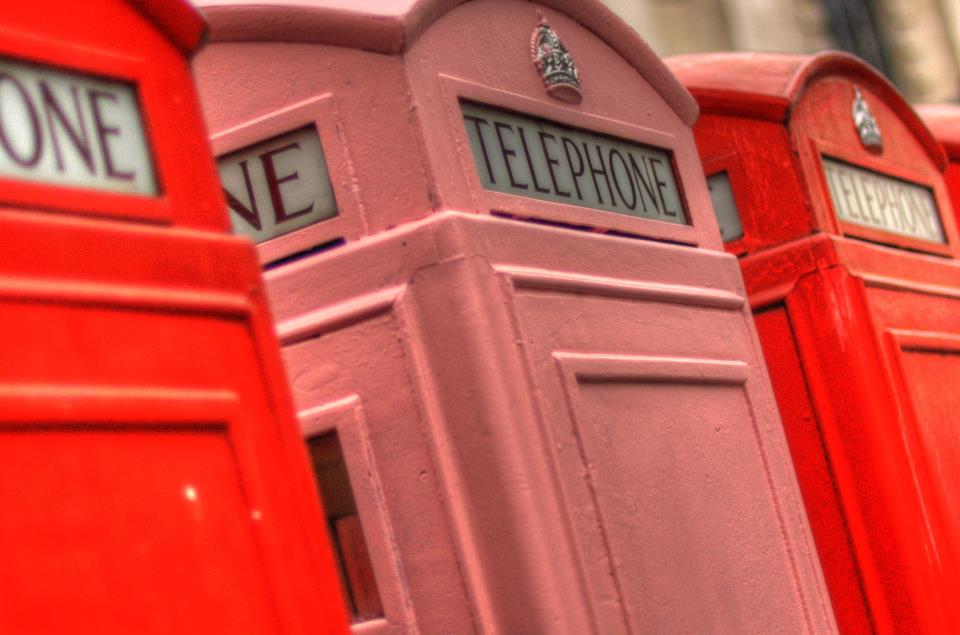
(768, 85)
(176, 19)
(391, 27)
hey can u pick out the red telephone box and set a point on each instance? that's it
(524, 367)
(944, 122)
(148, 469)
(831, 192)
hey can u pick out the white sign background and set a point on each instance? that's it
(874, 200)
(521, 155)
(281, 183)
(725, 206)
(67, 128)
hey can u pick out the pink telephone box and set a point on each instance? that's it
(526, 371)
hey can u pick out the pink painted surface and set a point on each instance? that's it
(392, 26)
(547, 430)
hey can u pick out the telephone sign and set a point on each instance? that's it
(872, 199)
(277, 186)
(520, 155)
(68, 128)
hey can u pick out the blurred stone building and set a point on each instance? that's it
(916, 43)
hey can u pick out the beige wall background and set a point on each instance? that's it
(918, 40)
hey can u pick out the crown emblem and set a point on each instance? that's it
(866, 125)
(560, 77)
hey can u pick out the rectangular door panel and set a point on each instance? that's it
(930, 366)
(668, 454)
(127, 512)
(662, 442)
(134, 466)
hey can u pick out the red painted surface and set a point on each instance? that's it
(860, 328)
(150, 469)
(555, 419)
(944, 122)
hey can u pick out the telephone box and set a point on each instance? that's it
(525, 369)
(944, 122)
(150, 467)
(830, 190)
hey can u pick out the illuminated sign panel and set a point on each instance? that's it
(877, 201)
(65, 128)
(521, 155)
(277, 186)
